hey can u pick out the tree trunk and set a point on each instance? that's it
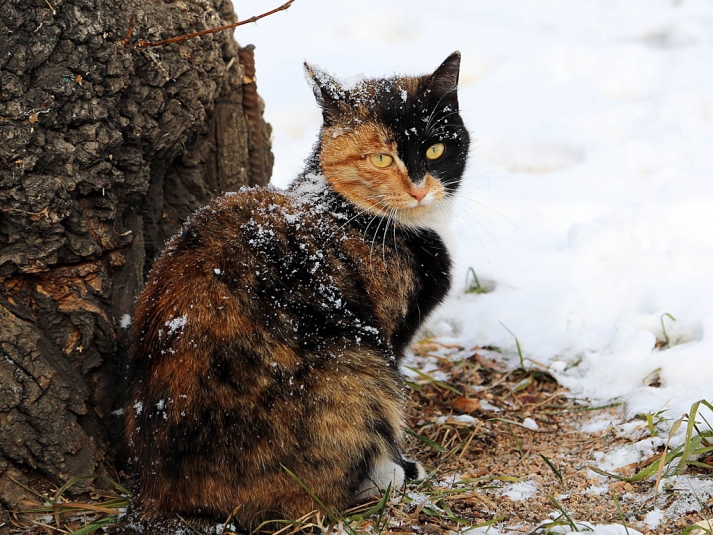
(104, 151)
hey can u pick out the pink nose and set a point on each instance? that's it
(419, 193)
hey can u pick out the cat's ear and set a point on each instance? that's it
(327, 91)
(444, 80)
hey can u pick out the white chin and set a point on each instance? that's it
(434, 216)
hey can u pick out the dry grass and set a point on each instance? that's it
(472, 425)
(555, 459)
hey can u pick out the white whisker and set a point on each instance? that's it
(435, 108)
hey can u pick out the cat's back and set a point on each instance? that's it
(262, 274)
(227, 277)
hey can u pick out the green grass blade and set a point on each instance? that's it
(697, 529)
(621, 513)
(688, 442)
(334, 517)
(645, 472)
(427, 441)
(562, 510)
(98, 524)
(487, 524)
(435, 381)
(650, 423)
(517, 345)
(552, 467)
(666, 339)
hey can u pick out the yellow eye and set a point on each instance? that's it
(435, 151)
(381, 160)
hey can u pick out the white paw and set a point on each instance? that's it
(384, 472)
(421, 473)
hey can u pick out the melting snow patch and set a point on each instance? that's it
(529, 423)
(486, 406)
(653, 518)
(460, 418)
(418, 498)
(596, 529)
(597, 490)
(628, 454)
(219, 529)
(690, 493)
(520, 491)
(597, 425)
(450, 481)
(486, 530)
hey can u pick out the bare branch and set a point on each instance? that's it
(145, 44)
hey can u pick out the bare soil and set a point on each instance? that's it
(491, 452)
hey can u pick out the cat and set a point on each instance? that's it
(266, 343)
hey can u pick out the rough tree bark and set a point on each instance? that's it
(104, 151)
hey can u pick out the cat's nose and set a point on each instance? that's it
(419, 193)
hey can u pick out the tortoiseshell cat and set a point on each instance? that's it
(269, 335)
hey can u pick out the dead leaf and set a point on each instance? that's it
(466, 405)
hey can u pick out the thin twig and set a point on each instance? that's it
(470, 439)
(145, 44)
(125, 41)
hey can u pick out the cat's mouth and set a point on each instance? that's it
(426, 193)
(423, 213)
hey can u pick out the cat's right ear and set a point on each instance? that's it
(326, 90)
(444, 81)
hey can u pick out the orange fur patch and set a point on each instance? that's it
(381, 191)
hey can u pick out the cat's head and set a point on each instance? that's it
(395, 147)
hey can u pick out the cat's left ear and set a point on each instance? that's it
(327, 91)
(444, 80)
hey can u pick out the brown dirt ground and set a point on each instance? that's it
(496, 446)
(467, 431)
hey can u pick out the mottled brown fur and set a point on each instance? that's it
(269, 334)
(346, 390)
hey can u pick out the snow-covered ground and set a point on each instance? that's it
(588, 201)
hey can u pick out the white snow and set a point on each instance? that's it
(653, 518)
(125, 322)
(597, 529)
(529, 423)
(521, 490)
(457, 418)
(628, 454)
(487, 406)
(176, 324)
